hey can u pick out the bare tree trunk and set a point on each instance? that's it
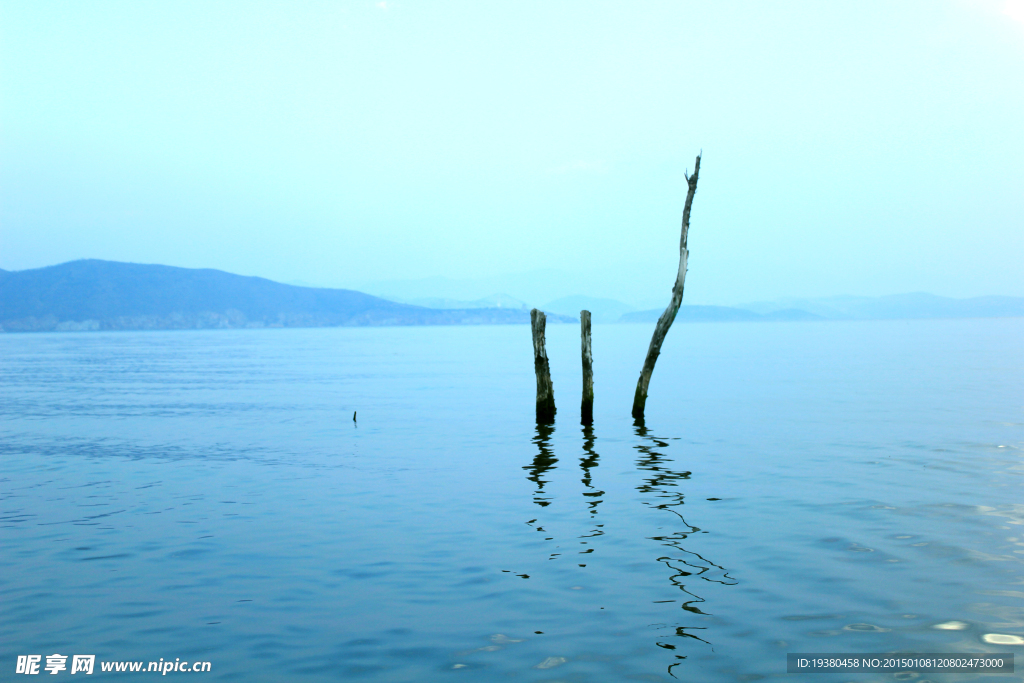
(587, 407)
(666, 319)
(545, 392)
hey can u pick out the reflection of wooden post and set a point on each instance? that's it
(666, 319)
(587, 408)
(545, 392)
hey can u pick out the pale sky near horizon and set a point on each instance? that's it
(861, 148)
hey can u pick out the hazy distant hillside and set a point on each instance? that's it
(894, 307)
(492, 301)
(692, 314)
(602, 310)
(897, 306)
(95, 295)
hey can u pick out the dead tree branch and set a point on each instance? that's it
(666, 319)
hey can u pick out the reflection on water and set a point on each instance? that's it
(543, 462)
(661, 484)
(588, 462)
(684, 564)
(592, 495)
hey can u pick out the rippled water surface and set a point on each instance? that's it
(797, 487)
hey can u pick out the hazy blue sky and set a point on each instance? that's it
(849, 147)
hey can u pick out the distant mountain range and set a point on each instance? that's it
(107, 295)
(707, 314)
(492, 301)
(897, 306)
(894, 307)
(601, 310)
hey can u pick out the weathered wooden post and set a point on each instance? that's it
(587, 407)
(666, 319)
(545, 392)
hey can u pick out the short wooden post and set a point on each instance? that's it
(587, 407)
(545, 392)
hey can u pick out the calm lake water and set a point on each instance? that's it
(797, 487)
